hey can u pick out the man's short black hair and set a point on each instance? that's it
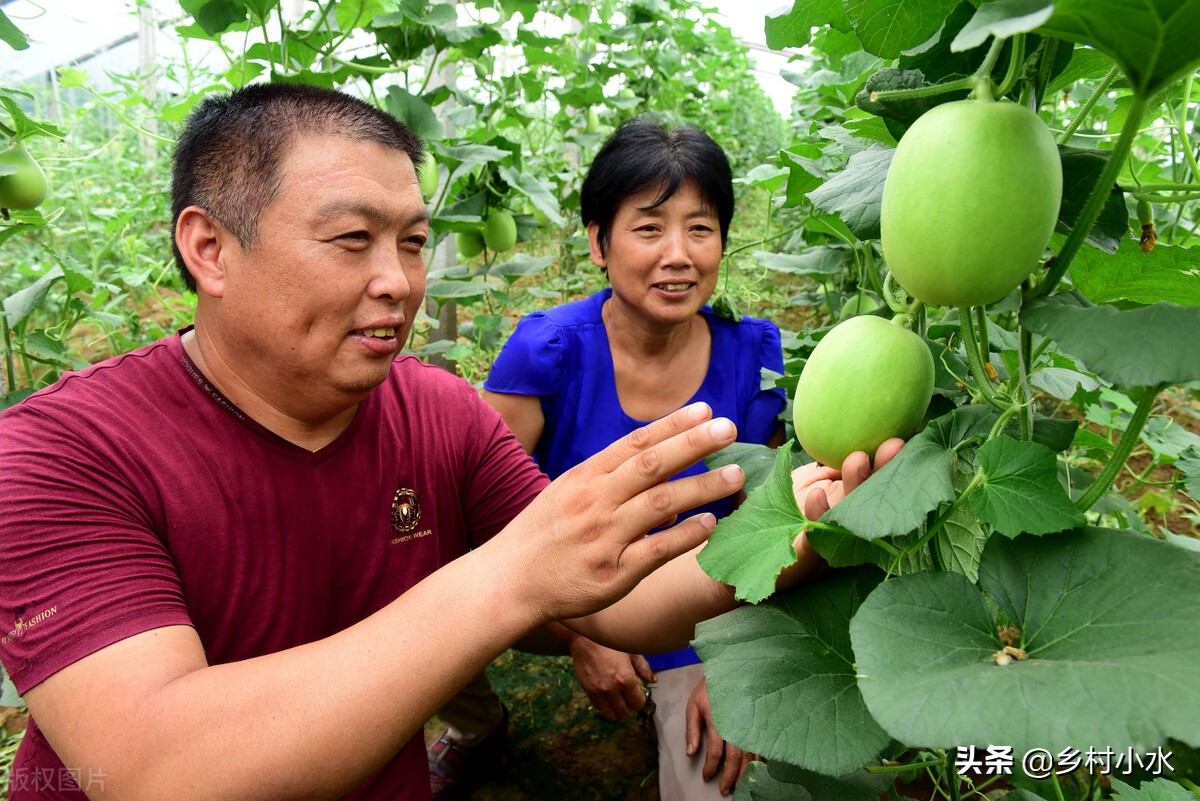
(228, 159)
(641, 155)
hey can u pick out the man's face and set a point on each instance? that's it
(314, 312)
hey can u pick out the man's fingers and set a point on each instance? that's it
(855, 470)
(642, 668)
(621, 451)
(644, 511)
(653, 465)
(816, 503)
(887, 451)
(647, 554)
(732, 770)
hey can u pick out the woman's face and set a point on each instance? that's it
(663, 260)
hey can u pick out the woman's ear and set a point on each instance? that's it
(598, 259)
(201, 241)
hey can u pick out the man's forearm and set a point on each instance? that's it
(313, 721)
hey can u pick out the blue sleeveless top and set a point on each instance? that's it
(562, 356)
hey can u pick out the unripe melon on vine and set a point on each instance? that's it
(867, 381)
(427, 175)
(26, 186)
(970, 202)
(469, 243)
(500, 232)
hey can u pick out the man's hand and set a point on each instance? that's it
(614, 681)
(581, 544)
(719, 755)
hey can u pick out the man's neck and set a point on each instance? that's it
(310, 434)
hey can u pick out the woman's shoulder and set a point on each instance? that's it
(585, 311)
(746, 329)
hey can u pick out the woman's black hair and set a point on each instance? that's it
(641, 155)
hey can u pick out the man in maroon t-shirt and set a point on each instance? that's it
(203, 538)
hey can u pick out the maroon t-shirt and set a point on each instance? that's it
(136, 496)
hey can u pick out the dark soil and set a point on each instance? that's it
(559, 747)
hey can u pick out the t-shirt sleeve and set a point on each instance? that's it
(82, 567)
(764, 405)
(531, 361)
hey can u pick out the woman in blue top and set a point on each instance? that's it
(657, 204)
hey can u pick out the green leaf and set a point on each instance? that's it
(1157, 790)
(794, 29)
(443, 290)
(814, 261)
(756, 461)
(215, 16)
(1085, 65)
(779, 781)
(1061, 382)
(1134, 348)
(781, 676)
(11, 34)
(887, 28)
(468, 156)
(1189, 464)
(414, 112)
(352, 14)
(961, 540)
(19, 305)
(1081, 170)
(856, 193)
(1165, 273)
(521, 265)
(539, 192)
(750, 547)
(805, 172)
(1002, 19)
(1153, 41)
(1109, 621)
(1020, 492)
(896, 499)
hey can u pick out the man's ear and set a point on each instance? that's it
(202, 241)
(598, 259)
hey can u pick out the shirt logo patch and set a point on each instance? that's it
(406, 510)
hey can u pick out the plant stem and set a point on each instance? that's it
(974, 359)
(1024, 359)
(10, 368)
(1015, 58)
(925, 91)
(1089, 105)
(1058, 793)
(763, 241)
(877, 769)
(1129, 440)
(1095, 201)
(952, 779)
(981, 78)
(1188, 153)
(944, 516)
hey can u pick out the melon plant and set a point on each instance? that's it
(970, 201)
(500, 231)
(23, 184)
(994, 579)
(469, 243)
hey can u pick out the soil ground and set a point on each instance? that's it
(559, 747)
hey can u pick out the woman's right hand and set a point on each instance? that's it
(614, 681)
